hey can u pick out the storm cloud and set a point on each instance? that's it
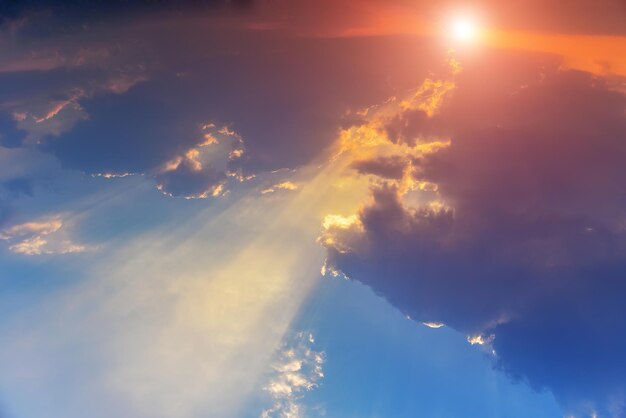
(524, 242)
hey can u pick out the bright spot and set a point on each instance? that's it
(434, 325)
(463, 29)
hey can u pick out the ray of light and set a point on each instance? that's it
(183, 318)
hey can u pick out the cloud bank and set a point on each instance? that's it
(514, 233)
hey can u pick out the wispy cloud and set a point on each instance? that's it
(285, 185)
(41, 236)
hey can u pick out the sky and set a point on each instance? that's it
(303, 209)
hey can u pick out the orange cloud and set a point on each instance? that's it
(597, 54)
(601, 54)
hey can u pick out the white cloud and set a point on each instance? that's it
(41, 236)
(297, 370)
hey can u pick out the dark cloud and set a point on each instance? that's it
(530, 245)
(186, 181)
(284, 96)
(131, 132)
(99, 9)
(387, 167)
(408, 127)
(572, 340)
(133, 97)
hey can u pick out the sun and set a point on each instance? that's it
(463, 29)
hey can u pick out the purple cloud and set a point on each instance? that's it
(524, 242)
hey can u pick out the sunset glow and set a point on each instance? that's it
(463, 29)
(312, 209)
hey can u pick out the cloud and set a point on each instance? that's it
(434, 325)
(124, 97)
(285, 185)
(521, 241)
(92, 10)
(204, 170)
(386, 167)
(297, 370)
(127, 133)
(39, 237)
